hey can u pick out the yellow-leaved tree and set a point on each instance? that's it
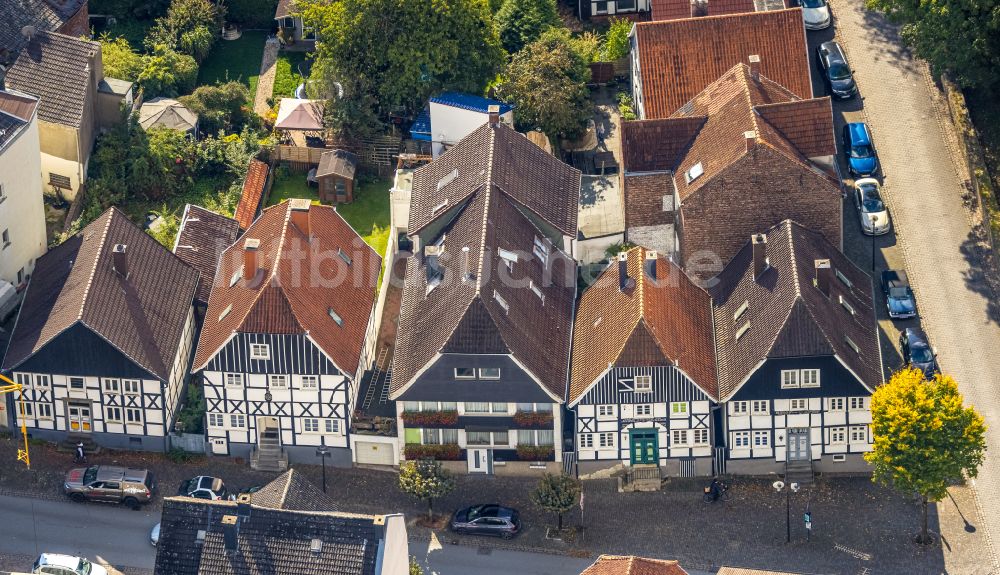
(925, 438)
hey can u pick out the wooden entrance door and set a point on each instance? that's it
(644, 446)
(79, 417)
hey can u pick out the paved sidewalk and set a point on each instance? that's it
(265, 82)
(940, 246)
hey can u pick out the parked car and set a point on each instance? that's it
(859, 150)
(917, 352)
(898, 296)
(871, 209)
(488, 519)
(204, 487)
(56, 564)
(110, 484)
(837, 74)
(816, 14)
(154, 535)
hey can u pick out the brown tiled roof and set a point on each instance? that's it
(300, 281)
(740, 571)
(656, 145)
(678, 9)
(679, 58)
(292, 491)
(464, 316)
(253, 190)
(16, 111)
(337, 162)
(43, 15)
(284, 9)
(724, 7)
(143, 315)
(670, 9)
(788, 316)
(806, 124)
(632, 565)
(57, 69)
(507, 159)
(201, 239)
(675, 312)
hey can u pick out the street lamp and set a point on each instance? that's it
(779, 486)
(323, 452)
(874, 225)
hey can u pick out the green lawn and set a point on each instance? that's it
(212, 193)
(286, 74)
(289, 185)
(234, 60)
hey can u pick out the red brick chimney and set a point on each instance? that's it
(299, 208)
(250, 247)
(751, 137)
(755, 67)
(494, 113)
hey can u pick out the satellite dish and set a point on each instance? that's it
(778, 485)
(28, 31)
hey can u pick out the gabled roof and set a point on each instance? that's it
(302, 279)
(143, 314)
(678, 9)
(16, 112)
(201, 239)
(787, 315)
(498, 207)
(501, 156)
(56, 68)
(632, 565)
(291, 490)
(253, 191)
(674, 312)
(470, 102)
(711, 130)
(679, 58)
(42, 15)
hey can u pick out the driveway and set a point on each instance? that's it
(934, 236)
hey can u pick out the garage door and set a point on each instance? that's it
(373, 453)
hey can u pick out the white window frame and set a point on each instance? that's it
(835, 404)
(216, 419)
(605, 410)
(133, 416)
(809, 378)
(838, 436)
(331, 426)
(112, 414)
(851, 401)
(678, 408)
(644, 410)
(760, 407)
(587, 440)
(643, 383)
(680, 437)
(481, 370)
(859, 434)
(700, 436)
(501, 301)
(231, 379)
(762, 438)
(70, 383)
(606, 440)
(540, 250)
(237, 421)
(310, 382)
(310, 425)
(132, 386)
(535, 290)
(277, 381)
(741, 439)
(739, 408)
(43, 410)
(741, 310)
(798, 404)
(260, 351)
(473, 376)
(789, 378)
(111, 385)
(41, 381)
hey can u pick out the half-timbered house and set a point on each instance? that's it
(481, 366)
(643, 382)
(287, 334)
(103, 338)
(798, 355)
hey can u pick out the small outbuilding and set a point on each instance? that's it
(168, 113)
(335, 176)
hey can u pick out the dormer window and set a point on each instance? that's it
(693, 172)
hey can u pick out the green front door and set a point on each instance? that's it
(644, 448)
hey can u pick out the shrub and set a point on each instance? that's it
(445, 452)
(189, 26)
(533, 419)
(191, 419)
(616, 45)
(426, 480)
(417, 418)
(166, 72)
(120, 60)
(219, 108)
(535, 452)
(626, 106)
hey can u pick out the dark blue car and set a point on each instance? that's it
(859, 150)
(898, 296)
(917, 352)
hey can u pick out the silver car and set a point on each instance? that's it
(816, 14)
(872, 212)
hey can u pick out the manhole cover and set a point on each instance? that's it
(485, 551)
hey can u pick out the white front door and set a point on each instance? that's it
(79, 417)
(480, 460)
(219, 445)
(798, 445)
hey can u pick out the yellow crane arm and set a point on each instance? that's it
(22, 454)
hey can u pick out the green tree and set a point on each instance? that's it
(189, 26)
(521, 22)
(925, 439)
(120, 60)
(547, 82)
(616, 43)
(406, 50)
(961, 36)
(415, 568)
(426, 480)
(556, 493)
(219, 108)
(166, 72)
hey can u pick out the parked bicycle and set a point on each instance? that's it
(715, 491)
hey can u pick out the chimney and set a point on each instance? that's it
(494, 112)
(230, 533)
(467, 274)
(751, 138)
(649, 264)
(199, 537)
(755, 67)
(119, 260)
(760, 263)
(823, 272)
(300, 215)
(243, 506)
(316, 546)
(699, 8)
(250, 247)
(625, 283)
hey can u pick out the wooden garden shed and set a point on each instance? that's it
(335, 176)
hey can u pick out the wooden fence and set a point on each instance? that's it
(375, 154)
(297, 154)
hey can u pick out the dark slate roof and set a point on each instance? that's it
(44, 16)
(788, 316)
(201, 239)
(470, 102)
(337, 163)
(16, 111)
(270, 542)
(492, 191)
(57, 69)
(143, 315)
(611, 324)
(291, 490)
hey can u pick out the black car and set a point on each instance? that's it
(899, 298)
(917, 352)
(488, 519)
(837, 74)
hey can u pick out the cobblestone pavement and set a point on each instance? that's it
(923, 185)
(265, 82)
